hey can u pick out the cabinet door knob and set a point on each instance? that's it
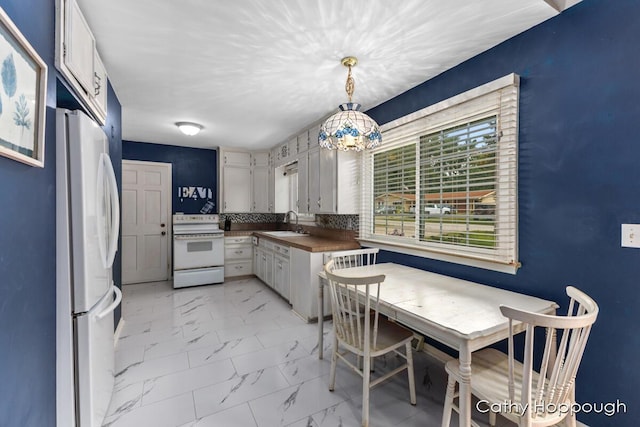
(164, 233)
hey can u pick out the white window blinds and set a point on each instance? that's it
(444, 182)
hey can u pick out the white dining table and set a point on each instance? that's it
(463, 315)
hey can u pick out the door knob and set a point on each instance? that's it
(164, 233)
(161, 225)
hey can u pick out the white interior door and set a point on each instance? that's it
(146, 221)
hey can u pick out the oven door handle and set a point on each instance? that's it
(197, 237)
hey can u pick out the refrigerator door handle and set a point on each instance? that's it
(115, 210)
(101, 209)
(114, 304)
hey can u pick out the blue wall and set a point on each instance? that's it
(113, 129)
(27, 247)
(27, 254)
(579, 178)
(191, 167)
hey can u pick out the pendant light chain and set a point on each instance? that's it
(349, 86)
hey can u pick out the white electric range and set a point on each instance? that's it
(198, 250)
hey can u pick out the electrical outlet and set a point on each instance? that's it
(631, 235)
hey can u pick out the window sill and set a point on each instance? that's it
(440, 256)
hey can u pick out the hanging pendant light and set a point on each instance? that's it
(349, 129)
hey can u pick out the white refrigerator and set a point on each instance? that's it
(87, 228)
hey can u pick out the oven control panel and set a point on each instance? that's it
(196, 219)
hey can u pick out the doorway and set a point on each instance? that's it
(146, 221)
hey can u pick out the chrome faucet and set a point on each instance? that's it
(287, 219)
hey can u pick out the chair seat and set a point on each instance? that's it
(489, 381)
(390, 335)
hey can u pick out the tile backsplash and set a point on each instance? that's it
(339, 222)
(251, 217)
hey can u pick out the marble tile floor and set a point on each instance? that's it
(235, 354)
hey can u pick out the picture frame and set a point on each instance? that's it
(23, 89)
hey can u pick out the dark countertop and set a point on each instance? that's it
(307, 243)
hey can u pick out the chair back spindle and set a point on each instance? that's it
(552, 384)
(354, 258)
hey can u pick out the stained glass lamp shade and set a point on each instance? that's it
(349, 129)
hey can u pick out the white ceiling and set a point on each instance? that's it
(254, 72)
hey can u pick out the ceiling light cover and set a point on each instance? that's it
(189, 128)
(349, 129)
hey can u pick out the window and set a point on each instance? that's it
(444, 183)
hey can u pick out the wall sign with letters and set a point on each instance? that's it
(195, 193)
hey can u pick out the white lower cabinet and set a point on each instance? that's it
(257, 270)
(304, 283)
(293, 273)
(238, 255)
(267, 267)
(263, 261)
(281, 279)
(272, 266)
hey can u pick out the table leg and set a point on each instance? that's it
(320, 317)
(465, 386)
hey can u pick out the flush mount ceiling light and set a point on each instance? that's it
(189, 128)
(349, 129)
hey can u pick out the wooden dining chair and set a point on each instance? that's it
(360, 330)
(525, 394)
(355, 257)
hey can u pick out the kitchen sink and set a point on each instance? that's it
(285, 233)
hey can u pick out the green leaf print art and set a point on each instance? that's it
(21, 116)
(9, 78)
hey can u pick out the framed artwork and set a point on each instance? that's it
(23, 87)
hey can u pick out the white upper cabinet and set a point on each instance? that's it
(79, 46)
(234, 171)
(260, 158)
(303, 183)
(78, 60)
(313, 176)
(245, 181)
(99, 85)
(322, 178)
(328, 182)
(236, 189)
(313, 136)
(282, 156)
(261, 182)
(236, 158)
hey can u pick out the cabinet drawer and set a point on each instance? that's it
(238, 240)
(267, 244)
(242, 268)
(281, 250)
(238, 252)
